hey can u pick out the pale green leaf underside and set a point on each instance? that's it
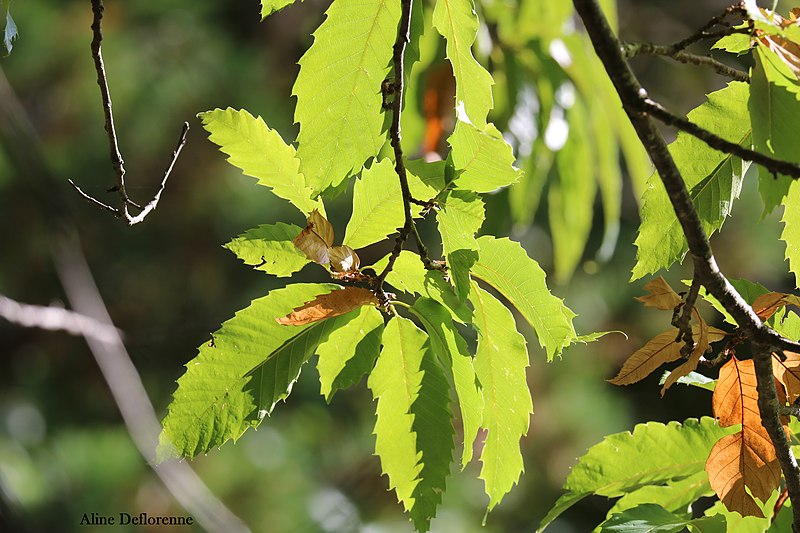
(457, 22)
(451, 348)
(500, 363)
(212, 403)
(268, 7)
(270, 247)
(377, 206)
(504, 265)
(260, 153)
(653, 454)
(338, 90)
(484, 160)
(774, 91)
(349, 352)
(713, 178)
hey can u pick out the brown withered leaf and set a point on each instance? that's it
(661, 295)
(343, 259)
(788, 374)
(316, 239)
(329, 305)
(787, 50)
(745, 459)
(768, 304)
(703, 335)
(659, 350)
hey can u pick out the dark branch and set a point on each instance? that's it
(633, 96)
(636, 49)
(682, 318)
(116, 156)
(397, 91)
(705, 32)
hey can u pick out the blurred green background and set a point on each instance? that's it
(168, 282)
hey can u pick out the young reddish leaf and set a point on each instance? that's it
(745, 459)
(343, 259)
(703, 335)
(788, 373)
(329, 305)
(767, 304)
(663, 348)
(316, 239)
(661, 295)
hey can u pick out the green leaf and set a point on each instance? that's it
(571, 197)
(744, 524)
(338, 90)
(457, 22)
(272, 380)
(260, 153)
(747, 289)
(774, 90)
(500, 363)
(736, 43)
(349, 352)
(504, 265)
(451, 348)
(9, 30)
(408, 275)
(460, 216)
(270, 249)
(653, 454)
(425, 179)
(459, 264)
(414, 435)
(791, 230)
(377, 206)
(268, 7)
(484, 160)
(651, 518)
(214, 401)
(674, 496)
(713, 178)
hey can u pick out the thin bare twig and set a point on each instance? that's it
(117, 162)
(636, 49)
(705, 32)
(763, 339)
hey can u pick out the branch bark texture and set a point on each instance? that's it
(634, 100)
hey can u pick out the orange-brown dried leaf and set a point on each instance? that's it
(703, 335)
(747, 458)
(316, 239)
(788, 374)
(343, 259)
(768, 304)
(661, 295)
(786, 50)
(659, 350)
(329, 305)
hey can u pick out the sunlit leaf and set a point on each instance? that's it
(316, 238)
(377, 206)
(675, 496)
(652, 518)
(653, 454)
(787, 372)
(269, 248)
(661, 296)
(773, 90)
(500, 363)
(268, 7)
(213, 403)
(349, 352)
(451, 348)
(791, 229)
(504, 265)
(483, 159)
(261, 153)
(338, 90)
(457, 22)
(714, 180)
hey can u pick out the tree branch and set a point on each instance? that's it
(633, 96)
(398, 89)
(117, 162)
(636, 49)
